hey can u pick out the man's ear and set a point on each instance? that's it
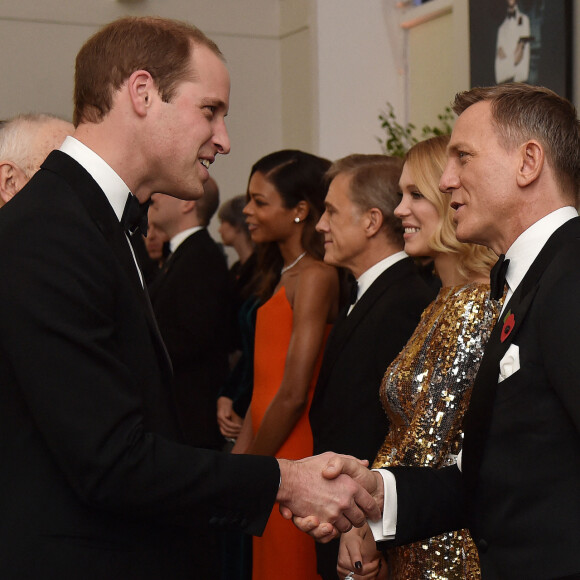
(188, 205)
(530, 163)
(12, 180)
(374, 221)
(142, 90)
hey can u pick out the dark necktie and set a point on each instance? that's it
(166, 262)
(135, 215)
(511, 14)
(497, 278)
(353, 292)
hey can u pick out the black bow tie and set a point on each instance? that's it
(353, 292)
(511, 14)
(497, 278)
(135, 215)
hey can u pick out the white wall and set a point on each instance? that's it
(339, 68)
(311, 74)
(39, 42)
(298, 66)
(437, 59)
(357, 74)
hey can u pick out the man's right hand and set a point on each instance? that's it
(329, 493)
(323, 531)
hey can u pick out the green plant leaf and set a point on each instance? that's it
(400, 138)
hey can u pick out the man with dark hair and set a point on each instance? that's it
(513, 174)
(95, 479)
(362, 234)
(191, 301)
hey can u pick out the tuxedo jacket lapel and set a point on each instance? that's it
(477, 419)
(92, 197)
(479, 413)
(346, 325)
(171, 260)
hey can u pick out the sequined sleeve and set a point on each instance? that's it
(426, 389)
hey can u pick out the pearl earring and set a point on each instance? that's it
(296, 220)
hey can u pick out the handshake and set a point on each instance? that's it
(328, 494)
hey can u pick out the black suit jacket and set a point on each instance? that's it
(519, 490)
(94, 479)
(346, 415)
(191, 300)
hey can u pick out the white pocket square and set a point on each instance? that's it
(510, 363)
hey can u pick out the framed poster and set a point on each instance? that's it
(522, 40)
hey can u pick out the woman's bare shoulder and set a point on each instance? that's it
(318, 270)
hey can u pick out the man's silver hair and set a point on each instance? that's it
(17, 137)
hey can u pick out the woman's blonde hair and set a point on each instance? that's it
(426, 162)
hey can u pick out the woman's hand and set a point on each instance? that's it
(230, 423)
(246, 435)
(358, 553)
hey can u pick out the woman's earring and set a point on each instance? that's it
(296, 220)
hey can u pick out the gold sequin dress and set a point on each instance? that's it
(425, 392)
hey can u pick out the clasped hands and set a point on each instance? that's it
(327, 494)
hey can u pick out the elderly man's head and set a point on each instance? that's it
(25, 142)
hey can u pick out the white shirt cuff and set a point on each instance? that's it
(386, 528)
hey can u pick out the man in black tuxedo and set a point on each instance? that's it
(362, 235)
(95, 479)
(513, 174)
(191, 301)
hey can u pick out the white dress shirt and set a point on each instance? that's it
(114, 188)
(528, 245)
(179, 238)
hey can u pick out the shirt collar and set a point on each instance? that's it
(113, 186)
(179, 238)
(367, 278)
(528, 245)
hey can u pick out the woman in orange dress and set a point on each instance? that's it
(299, 296)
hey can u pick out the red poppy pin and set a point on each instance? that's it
(509, 322)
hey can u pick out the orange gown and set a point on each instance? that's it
(282, 552)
